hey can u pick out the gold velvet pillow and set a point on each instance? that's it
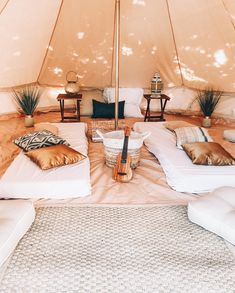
(172, 125)
(208, 153)
(55, 156)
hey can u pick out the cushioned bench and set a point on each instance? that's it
(16, 217)
(24, 179)
(216, 212)
(181, 174)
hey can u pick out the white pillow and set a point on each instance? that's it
(86, 103)
(132, 98)
(46, 126)
(229, 135)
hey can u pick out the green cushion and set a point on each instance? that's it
(104, 110)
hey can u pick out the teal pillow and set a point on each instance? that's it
(104, 110)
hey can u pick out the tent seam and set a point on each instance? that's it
(4, 6)
(49, 43)
(174, 40)
(225, 7)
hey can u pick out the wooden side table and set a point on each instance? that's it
(62, 97)
(163, 101)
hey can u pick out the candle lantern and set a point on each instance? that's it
(156, 84)
(72, 87)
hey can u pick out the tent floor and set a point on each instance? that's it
(148, 185)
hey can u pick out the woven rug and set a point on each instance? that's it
(118, 249)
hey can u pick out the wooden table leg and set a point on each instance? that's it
(147, 113)
(78, 110)
(163, 106)
(162, 111)
(62, 110)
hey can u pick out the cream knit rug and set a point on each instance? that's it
(119, 249)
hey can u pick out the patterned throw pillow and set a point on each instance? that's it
(191, 134)
(39, 139)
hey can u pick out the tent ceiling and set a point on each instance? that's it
(25, 30)
(191, 42)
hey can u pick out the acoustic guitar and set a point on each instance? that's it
(122, 171)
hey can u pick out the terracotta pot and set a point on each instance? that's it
(206, 122)
(28, 121)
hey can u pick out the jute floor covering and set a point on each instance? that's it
(118, 249)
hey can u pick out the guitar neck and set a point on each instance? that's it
(125, 145)
(125, 149)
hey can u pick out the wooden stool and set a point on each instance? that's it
(62, 97)
(163, 101)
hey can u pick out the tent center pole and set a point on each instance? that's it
(117, 51)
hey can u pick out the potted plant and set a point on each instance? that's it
(208, 100)
(27, 99)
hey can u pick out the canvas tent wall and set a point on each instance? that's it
(191, 42)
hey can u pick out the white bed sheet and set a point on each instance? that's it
(24, 179)
(181, 174)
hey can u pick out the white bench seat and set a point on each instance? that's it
(181, 174)
(216, 212)
(16, 217)
(24, 179)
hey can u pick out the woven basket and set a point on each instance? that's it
(113, 143)
(111, 156)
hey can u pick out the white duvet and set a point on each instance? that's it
(181, 174)
(24, 179)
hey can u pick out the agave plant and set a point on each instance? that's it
(208, 100)
(27, 99)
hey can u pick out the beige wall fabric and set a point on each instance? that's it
(82, 42)
(154, 34)
(205, 39)
(146, 44)
(25, 29)
(181, 102)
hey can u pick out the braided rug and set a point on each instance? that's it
(119, 249)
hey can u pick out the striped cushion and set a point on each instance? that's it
(39, 139)
(191, 134)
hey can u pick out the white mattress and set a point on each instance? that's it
(24, 179)
(181, 174)
(16, 217)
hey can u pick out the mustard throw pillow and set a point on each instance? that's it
(55, 156)
(208, 153)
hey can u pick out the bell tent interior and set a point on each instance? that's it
(136, 191)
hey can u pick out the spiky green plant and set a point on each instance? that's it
(27, 99)
(208, 100)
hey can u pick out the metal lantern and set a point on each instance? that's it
(72, 87)
(156, 84)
